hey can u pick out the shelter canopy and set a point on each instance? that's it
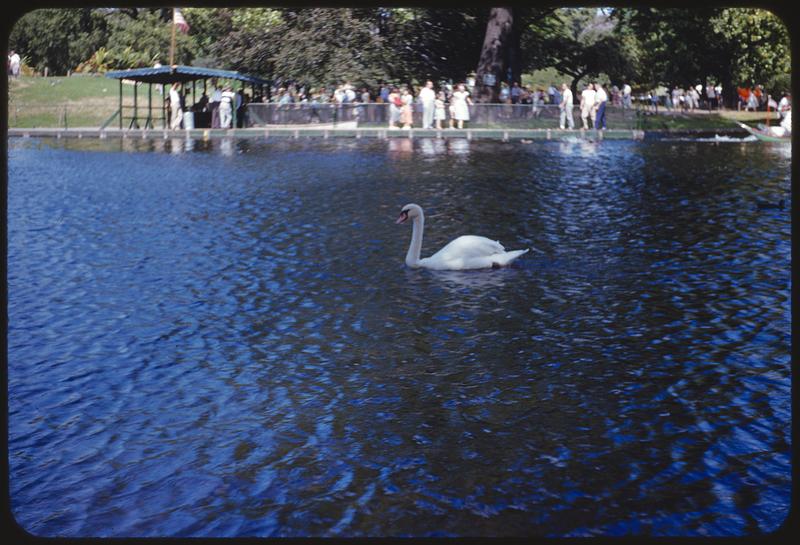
(181, 74)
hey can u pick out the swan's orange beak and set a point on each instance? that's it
(402, 217)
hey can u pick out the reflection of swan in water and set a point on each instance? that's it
(782, 149)
(473, 280)
(465, 252)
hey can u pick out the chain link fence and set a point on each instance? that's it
(488, 116)
(62, 116)
(482, 116)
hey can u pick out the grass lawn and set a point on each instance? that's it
(718, 120)
(88, 100)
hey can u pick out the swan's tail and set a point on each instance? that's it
(507, 257)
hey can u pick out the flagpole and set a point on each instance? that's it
(172, 44)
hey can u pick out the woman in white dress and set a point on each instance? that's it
(461, 101)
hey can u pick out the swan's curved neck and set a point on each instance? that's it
(414, 250)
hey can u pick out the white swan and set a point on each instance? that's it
(465, 252)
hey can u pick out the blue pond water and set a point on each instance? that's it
(221, 339)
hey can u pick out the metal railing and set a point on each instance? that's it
(509, 116)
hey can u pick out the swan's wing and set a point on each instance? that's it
(471, 252)
(477, 262)
(467, 247)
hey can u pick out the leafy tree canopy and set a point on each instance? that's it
(58, 39)
(319, 46)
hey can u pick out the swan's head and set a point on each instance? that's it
(409, 211)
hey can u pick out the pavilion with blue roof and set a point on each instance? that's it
(167, 75)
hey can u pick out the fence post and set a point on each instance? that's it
(65, 117)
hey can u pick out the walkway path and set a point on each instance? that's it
(367, 132)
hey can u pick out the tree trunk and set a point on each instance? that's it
(574, 84)
(515, 51)
(494, 55)
(730, 95)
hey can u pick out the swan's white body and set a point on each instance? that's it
(465, 252)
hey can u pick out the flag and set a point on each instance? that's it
(179, 21)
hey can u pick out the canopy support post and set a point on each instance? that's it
(134, 120)
(163, 106)
(149, 123)
(120, 104)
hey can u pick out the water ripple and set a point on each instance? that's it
(220, 339)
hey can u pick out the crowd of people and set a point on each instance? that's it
(693, 97)
(220, 105)
(450, 104)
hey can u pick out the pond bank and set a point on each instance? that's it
(372, 132)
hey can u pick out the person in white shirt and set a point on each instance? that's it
(587, 104)
(339, 94)
(349, 94)
(213, 104)
(710, 96)
(784, 105)
(427, 96)
(566, 108)
(226, 107)
(601, 97)
(14, 63)
(695, 96)
(175, 106)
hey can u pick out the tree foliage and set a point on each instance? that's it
(320, 46)
(140, 41)
(583, 43)
(207, 26)
(323, 45)
(733, 46)
(435, 44)
(58, 39)
(678, 45)
(757, 41)
(316, 46)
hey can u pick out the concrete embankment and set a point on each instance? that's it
(370, 132)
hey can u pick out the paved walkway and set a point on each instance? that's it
(367, 132)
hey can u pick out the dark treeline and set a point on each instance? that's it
(644, 47)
